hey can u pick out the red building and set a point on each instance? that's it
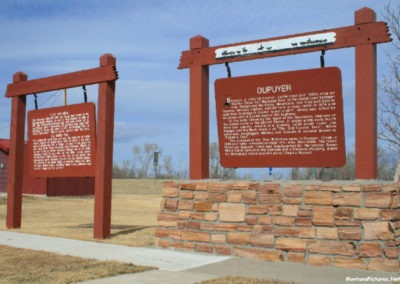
(44, 186)
(4, 146)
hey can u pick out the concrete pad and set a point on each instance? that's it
(161, 258)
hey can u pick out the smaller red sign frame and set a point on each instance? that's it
(286, 119)
(62, 141)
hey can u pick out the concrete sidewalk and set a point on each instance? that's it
(168, 260)
(182, 267)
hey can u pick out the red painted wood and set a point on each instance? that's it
(16, 158)
(76, 186)
(4, 169)
(366, 103)
(106, 75)
(63, 81)
(74, 169)
(364, 35)
(32, 185)
(359, 34)
(249, 115)
(199, 115)
(105, 135)
(43, 186)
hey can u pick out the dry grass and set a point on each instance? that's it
(27, 266)
(243, 280)
(135, 205)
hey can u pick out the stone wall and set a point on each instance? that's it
(352, 225)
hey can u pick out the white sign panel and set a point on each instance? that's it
(297, 42)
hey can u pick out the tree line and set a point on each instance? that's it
(145, 164)
(386, 169)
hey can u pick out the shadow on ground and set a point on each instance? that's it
(123, 229)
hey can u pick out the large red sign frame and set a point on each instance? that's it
(105, 76)
(363, 36)
(62, 141)
(286, 119)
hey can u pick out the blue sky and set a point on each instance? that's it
(47, 37)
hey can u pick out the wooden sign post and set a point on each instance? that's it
(105, 76)
(364, 36)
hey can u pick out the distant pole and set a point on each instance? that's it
(366, 102)
(199, 115)
(65, 97)
(16, 157)
(155, 164)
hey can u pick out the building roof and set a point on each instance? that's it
(5, 145)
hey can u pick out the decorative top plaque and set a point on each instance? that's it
(62, 141)
(287, 119)
(294, 42)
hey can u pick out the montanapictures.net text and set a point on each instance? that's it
(373, 279)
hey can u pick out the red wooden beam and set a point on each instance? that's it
(366, 103)
(199, 116)
(63, 81)
(359, 34)
(16, 157)
(104, 154)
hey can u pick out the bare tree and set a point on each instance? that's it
(216, 170)
(144, 157)
(214, 160)
(344, 173)
(169, 168)
(386, 166)
(389, 115)
(125, 171)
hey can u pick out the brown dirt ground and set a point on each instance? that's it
(135, 205)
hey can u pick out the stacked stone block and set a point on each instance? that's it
(352, 225)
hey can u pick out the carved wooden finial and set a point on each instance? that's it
(364, 15)
(19, 76)
(107, 59)
(198, 42)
